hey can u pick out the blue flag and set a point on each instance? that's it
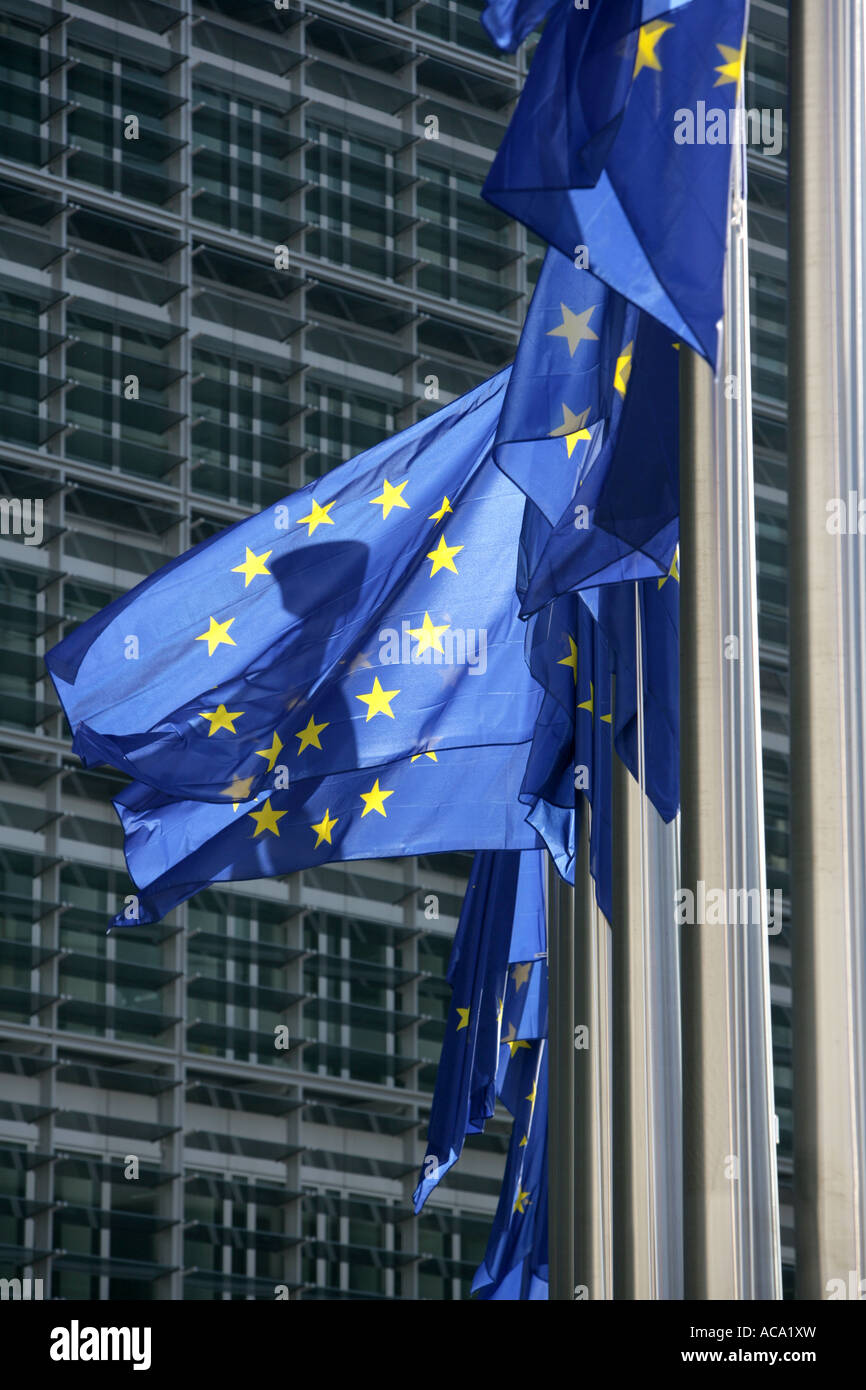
(366, 618)
(620, 144)
(569, 768)
(460, 798)
(567, 385)
(516, 1264)
(658, 601)
(503, 912)
(508, 22)
(622, 519)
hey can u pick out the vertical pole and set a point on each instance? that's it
(647, 1077)
(709, 1231)
(561, 1151)
(828, 603)
(730, 1202)
(592, 1098)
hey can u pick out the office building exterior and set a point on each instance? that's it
(239, 243)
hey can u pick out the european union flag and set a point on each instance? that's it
(503, 912)
(428, 803)
(658, 614)
(367, 618)
(607, 150)
(516, 1264)
(567, 385)
(569, 769)
(508, 22)
(622, 520)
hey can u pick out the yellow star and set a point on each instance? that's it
(217, 633)
(429, 636)
(464, 1018)
(252, 565)
(266, 819)
(271, 753)
(446, 507)
(415, 756)
(571, 659)
(588, 704)
(646, 45)
(574, 327)
(374, 799)
(513, 1041)
(623, 368)
(318, 516)
(392, 497)
(522, 1201)
(324, 828)
(239, 790)
(524, 1141)
(221, 718)
(310, 736)
(674, 571)
(499, 1008)
(442, 557)
(572, 428)
(731, 70)
(531, 1096)
(520, 974)
(378, 701)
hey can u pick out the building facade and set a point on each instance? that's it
(239, 243)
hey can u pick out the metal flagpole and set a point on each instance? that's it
(561, 1153)
(592, 1099)
(730, 1203)
(827, 373)
(647, 1078)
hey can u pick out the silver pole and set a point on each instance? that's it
(592, 1092)
(647, 1077)
(561, 1132)
(827, 365)
(730, 1204)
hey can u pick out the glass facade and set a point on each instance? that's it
(238, 245)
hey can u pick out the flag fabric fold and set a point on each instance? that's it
(516, 1262)
(502, 917)
(368, 617)
(609, 150)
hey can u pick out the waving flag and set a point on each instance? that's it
(622, 519)
(503, 913)
(516, 1264)
(567, 385)
(369, 617)
(569, 770)
(658, 609)
(603, 151)
(508, 22)
(429, 803)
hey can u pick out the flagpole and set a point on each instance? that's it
(730, 1201)
(561, 1151)
(647, 1076)
(593, 1238)
(827, 374)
